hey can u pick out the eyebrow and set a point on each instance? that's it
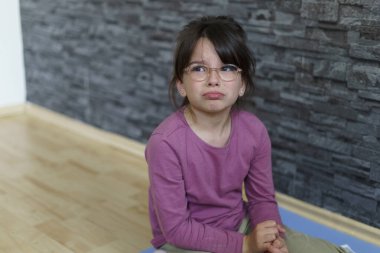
(196, 62)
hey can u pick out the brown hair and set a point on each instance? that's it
(229, 40)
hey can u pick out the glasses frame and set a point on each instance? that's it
(209, 69)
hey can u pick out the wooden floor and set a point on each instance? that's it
(63, 192)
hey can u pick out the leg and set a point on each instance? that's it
(301, 243)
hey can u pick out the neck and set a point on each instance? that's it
(218, 123)
(212, 128)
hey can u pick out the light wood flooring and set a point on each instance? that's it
(63, 192)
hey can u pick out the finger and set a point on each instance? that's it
(266, 224)
(278, 243)
(281, 229)
(283, 249)
(273, 231)
(269, 223)
(269, 231)
(263, 231)
(269, 238)
(266, 246)
(272, 249)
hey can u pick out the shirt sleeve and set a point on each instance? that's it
(168, 192)
(259, 185)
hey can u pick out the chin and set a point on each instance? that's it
(218, 108)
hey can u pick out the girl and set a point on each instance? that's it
(201, 155)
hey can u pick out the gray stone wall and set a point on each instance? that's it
(107, 63)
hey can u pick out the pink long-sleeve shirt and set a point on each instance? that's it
(195, 194)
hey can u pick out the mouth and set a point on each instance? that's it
(213, 95)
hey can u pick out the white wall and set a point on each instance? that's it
(12, 74)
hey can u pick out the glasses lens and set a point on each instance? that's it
(198, 72)
(228, 72)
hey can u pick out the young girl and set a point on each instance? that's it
(200, 156)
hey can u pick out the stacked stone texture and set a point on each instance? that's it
(108, 63)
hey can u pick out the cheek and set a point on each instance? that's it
(240, 87)
(186, 82)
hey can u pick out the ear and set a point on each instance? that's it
(181, 90)
(242, 90)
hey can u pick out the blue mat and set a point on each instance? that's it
(301, 224)
(150, 250)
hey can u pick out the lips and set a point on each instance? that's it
(213, 95)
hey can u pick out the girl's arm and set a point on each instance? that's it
(262, 206)
(259, 186)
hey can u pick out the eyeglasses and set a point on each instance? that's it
(199, 72)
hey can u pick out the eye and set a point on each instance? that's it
(229, 68)
(198, 68)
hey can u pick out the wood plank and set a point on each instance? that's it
(64, 192)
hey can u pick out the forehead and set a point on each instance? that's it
(205, 52)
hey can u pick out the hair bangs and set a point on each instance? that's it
(225, 46)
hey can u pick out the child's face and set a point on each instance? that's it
(212, 94)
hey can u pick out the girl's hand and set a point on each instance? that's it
(281, 230)
(262, 237)
(278, 246)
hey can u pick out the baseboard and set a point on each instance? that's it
(330, 219)
(314, 213)
(12, 110)
(108, 138)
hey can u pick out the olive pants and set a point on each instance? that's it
(296, 242)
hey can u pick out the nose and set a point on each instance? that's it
(213, 77)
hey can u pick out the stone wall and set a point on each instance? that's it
(107, 63)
